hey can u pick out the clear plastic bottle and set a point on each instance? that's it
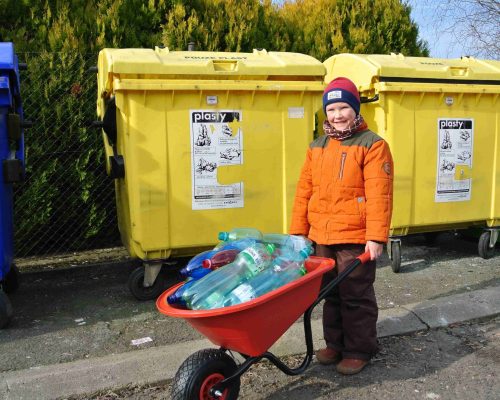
(294, 242)
(286, 253)
(240, 233)
(209, 292)
(220, 258)
(282, 272)
(238, 244)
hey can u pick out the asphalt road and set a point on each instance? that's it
(461, 362)
(87, 311)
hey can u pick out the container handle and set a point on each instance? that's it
(224, 65)
(369, 99)
(459, 71)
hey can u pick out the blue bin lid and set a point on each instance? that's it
(7, 58)
(9, 73)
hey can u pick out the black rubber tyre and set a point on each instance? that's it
(201, 371)
(396, 257)
(483, 247)
(5, 310)
(136, 285)
(11, 282)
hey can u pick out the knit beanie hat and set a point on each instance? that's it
(342, 90)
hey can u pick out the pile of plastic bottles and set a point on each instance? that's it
(246, 264)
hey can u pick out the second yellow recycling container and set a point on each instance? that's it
(441, 119)
(201, 142)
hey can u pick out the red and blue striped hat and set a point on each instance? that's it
(342, 90)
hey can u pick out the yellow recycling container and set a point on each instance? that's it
(202, 142)
(441, 118)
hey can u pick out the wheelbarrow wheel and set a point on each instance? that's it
(484, 248)
(11, 281)
(137, 288)
(200, 372)
(5, 310)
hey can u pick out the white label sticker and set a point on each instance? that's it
(295, 112)
(216, 140)
(454, 161)
(211, 100)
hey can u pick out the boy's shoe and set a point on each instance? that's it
(328, 356)
(351, 366)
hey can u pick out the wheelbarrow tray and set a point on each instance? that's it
(251, 328)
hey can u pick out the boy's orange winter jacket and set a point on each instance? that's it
(344, 194)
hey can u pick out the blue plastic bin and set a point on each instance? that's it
(12, 170)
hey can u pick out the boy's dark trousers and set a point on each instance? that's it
(350, 311)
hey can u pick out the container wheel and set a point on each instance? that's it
(484, 248)
(396, 257)
(200, 372)
(137, 288)
(11, 281)
(5, 310)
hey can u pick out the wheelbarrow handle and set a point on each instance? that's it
(364, 258)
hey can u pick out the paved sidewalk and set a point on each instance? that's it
(158, 364)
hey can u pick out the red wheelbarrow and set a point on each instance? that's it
(250, 329)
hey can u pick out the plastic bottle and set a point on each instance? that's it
(292, 255)
(209, 292)
(196, 262)
(238, 244)
(176, 297)
(220, 258)
(296, 243)
(240, 233)
(281, 273)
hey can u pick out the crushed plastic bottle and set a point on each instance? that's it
(209, 292)
(282, 272)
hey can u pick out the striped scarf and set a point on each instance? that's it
(358, 125)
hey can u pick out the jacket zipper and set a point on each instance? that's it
(342, 162)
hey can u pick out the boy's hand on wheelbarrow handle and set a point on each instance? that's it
(374, 249)
(365, 257)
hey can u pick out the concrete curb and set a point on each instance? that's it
(158, 364)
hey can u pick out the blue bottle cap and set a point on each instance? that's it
(223, 236)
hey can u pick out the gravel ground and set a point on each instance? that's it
(461, 362)
(63, 314)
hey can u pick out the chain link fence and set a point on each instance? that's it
(66, 202)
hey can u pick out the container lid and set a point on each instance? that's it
(368, 69)
(221, 65)
(7, 58)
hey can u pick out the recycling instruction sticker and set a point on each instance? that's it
(216, 140)
(454, 161)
